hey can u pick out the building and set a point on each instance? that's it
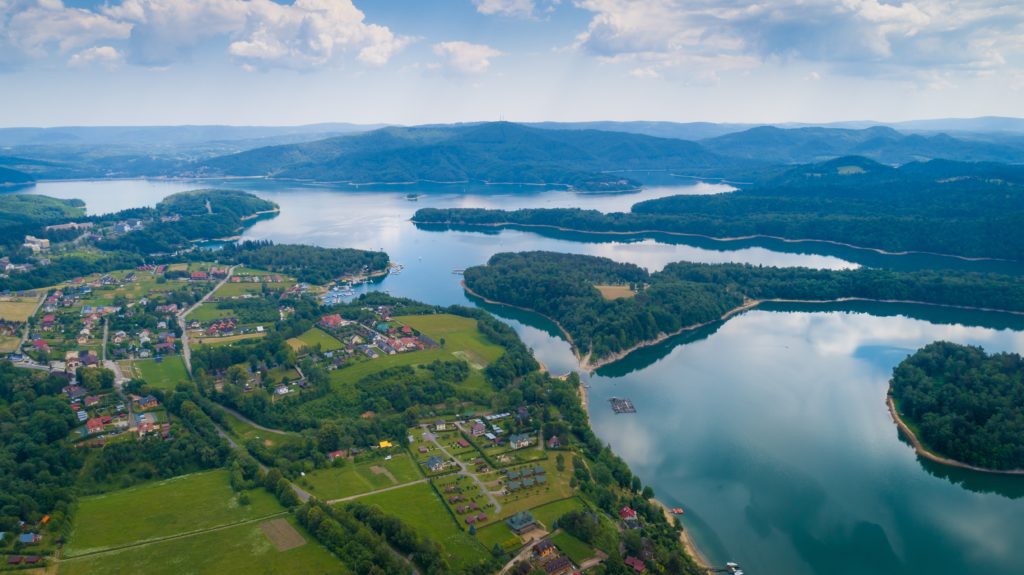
(558, 566)
(519, 440)
(435, 464)
(554, 442)
(334, 321)
(336, 454)
(628, 516)
(94, 426)
(147, 402)
(545, 549)
(29, 538)
(37, 244)
(637, 565)
(522, 522)
(443, 426)
(199, 276)
(477, 429)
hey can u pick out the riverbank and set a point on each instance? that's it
(720, 238)
(684, 538)
(932, 456)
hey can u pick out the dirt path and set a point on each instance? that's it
(374, 492)
(248, 421)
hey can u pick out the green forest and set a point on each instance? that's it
(308, 264)
(964, 404)
(978, 207)
(561, 286)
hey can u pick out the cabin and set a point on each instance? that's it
(522, 522)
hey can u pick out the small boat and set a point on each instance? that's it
(677, 510)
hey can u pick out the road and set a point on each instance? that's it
(248, 421)
(106, 333)
(463, 470)
(25, 334)
(186, 353)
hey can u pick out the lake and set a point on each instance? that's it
(770, 430)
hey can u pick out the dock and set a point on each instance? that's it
(622, 405)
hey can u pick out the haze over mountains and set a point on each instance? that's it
(585, 156)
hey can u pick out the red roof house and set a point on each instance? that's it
(94, 425)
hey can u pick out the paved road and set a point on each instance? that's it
(463, 470)
(186, 353)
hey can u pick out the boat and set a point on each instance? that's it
(677, 510)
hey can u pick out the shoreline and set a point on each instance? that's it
(684, 537)
(722, 239)
(932, 456)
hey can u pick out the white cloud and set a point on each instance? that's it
(32, 29)
(466, 58)
(855, 37)
(256, 33)
(107, 56)
(505, 7)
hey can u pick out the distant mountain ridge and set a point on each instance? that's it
(498, 152)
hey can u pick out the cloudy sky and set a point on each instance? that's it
(89, 62)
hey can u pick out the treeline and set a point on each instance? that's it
(359, 547)
(24, 214)
(561, 286)
(964, 404)
(850, 200)
(424, 552)
(64, 268)
(308, 264)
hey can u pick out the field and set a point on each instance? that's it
(499, 533)
(354, 373)
(164, 375)
(577, 550)
(250, 548)
(610, 292)
(315, 336)
(17, 309)
(547, 514)
(9, 343)
(419, 507)
(460, 334)
(209, 312)
(215, 341)
(245, 431)
(361, 477)
(175, 506)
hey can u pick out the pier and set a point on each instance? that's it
(622, 405)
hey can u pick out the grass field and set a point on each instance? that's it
(215, 341)
(354, 373)
(419, 507)
(577, 550)
(361, 477)
(610, 292)
(243, 549)
(460, 334)
(161, 509)
(209, 312)
(164, 375)
(315, 336)
(547, 514)
(499, 533)
(17, 309)
(244, 431)
(9, 343)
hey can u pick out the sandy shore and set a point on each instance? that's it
(684, 538)
(920, 449)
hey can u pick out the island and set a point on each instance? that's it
(960, 406)
(851, 201)
(608, 309)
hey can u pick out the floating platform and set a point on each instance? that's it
(622, 405)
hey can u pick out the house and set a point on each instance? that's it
(196, 276)
(147, 402)
(74, 392)
(628, 516)
(333, 321)
(336, 454)
(636, 564)
(462, 443)
(554, 442)
(436, 464)
(91, 400)
(521, 522)
(29, 538)
(48, 321)
(558, 566)
(519, 440)
(41, 346)
(443, 426)
(545, 549)
(94, 426)
(477, 429)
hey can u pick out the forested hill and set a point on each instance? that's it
(185, 217)
(883, 144)
(964, 404)
(309, 264)
(9, 177)
(978, 206)
(23, 214)
(499, 152)
(563, 287)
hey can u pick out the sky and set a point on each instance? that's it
(286, 62)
